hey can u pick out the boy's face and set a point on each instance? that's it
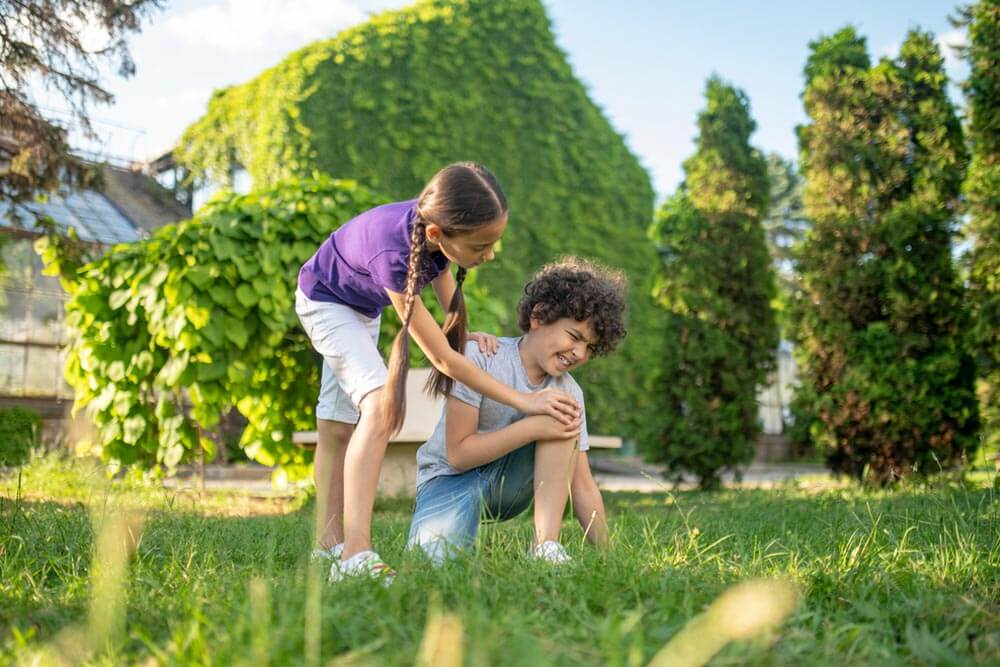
(563, 345)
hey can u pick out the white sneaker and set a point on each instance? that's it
(362, 564)
(333, 553)
(551, 551)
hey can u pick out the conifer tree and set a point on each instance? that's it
(716, 286)
(982, 191)
(879, 317)
(42, 42)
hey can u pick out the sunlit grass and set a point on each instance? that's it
(904, 577)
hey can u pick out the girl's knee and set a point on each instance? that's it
(373, 414)
(333, 433)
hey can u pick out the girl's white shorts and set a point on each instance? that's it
(352, 364)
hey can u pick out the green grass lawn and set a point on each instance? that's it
(904, 577)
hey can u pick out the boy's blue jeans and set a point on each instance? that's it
(449, 507)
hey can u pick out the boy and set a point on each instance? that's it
(487, 459)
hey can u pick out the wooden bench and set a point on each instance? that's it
(399, 469)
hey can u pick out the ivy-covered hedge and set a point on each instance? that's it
(19, 432)
(394, 99)
(169, 334)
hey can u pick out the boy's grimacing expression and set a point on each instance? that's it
(471, 248)
(557, 347)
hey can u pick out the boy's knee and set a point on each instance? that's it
(440, 537)
(566, 442)
(444, 525)
(435, 547)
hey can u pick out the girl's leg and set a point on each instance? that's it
(328, 472)
(553, 471)
(362, 466)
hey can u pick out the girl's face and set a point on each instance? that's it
(471, 248)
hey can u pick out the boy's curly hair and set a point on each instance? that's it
(580, 290)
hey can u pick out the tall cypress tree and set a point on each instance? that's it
(879, 317)
(716, 286)
(982, 189)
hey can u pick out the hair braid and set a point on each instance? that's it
(394, 394)
(456, 330)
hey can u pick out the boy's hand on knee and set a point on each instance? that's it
(549, 428)
(552, 402)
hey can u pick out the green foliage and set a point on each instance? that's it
(982, 191)
(716, 286)
(392, 100)
(19, 431)
(879, 317)
(168, 334)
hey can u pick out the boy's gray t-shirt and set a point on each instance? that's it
(505, 366)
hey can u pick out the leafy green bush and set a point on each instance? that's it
(168, 334)
(716, 286)
(19, 431)
(392, 100)
(879, 318)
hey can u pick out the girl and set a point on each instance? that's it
(386, 256)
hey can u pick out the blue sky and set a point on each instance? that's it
(644, 62)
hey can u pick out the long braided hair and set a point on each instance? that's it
(460, 198)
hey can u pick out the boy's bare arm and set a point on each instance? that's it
(588, 505)
(467, 448)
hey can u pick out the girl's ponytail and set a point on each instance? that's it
(394, 393)
(456, 330)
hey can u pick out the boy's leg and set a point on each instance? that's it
(510, 487)
(446, 516)
(553, 471)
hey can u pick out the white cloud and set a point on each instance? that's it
(238, 26)
(949, 42)
(890, 51)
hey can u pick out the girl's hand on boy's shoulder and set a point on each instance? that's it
(488, 343)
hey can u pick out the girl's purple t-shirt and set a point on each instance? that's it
(366, 256)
